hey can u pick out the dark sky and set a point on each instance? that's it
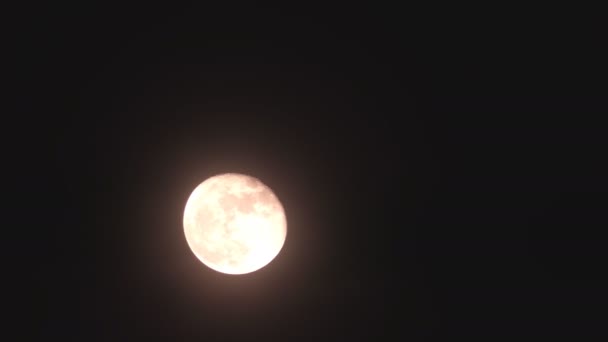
(443, 172)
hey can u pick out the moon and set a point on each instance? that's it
(234, 223)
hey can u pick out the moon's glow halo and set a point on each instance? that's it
(234, 223)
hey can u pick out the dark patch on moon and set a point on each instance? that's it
(244, 204)
(252, 182)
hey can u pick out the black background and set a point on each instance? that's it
(442, 170)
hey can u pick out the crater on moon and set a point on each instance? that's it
(234, 223)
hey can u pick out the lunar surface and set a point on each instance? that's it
(234, 223)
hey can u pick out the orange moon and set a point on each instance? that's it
(234, 223)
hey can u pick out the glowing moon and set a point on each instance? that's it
(234, 223)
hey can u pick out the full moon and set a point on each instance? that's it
(234, 223)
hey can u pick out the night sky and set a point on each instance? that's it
(442, 172)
